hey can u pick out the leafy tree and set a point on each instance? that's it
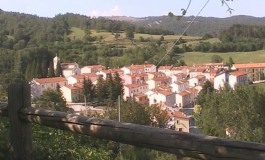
(240, 112)
(133, 112)
(129, 33)
(206, 88)
(53, 100)
(216, 59)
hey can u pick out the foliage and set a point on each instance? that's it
(4, 141)
(133, 112)
(216, 59)
(129, 33)
(206, 88)
(88, 89)
(240, 32)
(53, 100)
(239, 111)
(52, 144)
(230, 62)
(101, 89)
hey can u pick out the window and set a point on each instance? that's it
(177, 121)
(180, 129)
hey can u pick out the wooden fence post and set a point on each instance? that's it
(20, 131)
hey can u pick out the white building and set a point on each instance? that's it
(231, 78)
(38, 85)
(92, 69)
(132, 89)
(70, 69)
(73, 93)
(165, 69)
(179, 86)
(161, 97)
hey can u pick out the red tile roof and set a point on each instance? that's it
(90, 74)
(197, 69)
(177, 114)
(182, 82)
(139, 66)
(139, 75)
(95, 66)
(237, 73)
(161, 79)
(184, 93)
(135, 85)
(79, 76)
(249, 65)
(166, 93)
(50, 80)
(165, 67)
(112, 71)
(200, 76)
(76, 86)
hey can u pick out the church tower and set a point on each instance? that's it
(56, 60)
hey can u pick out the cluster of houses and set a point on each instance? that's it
(172, 88)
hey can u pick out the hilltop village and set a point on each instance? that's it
(171, 88)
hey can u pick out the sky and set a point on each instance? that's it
(133, 8)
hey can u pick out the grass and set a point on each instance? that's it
(76, 33)
(238, 57)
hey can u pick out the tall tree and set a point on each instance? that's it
(101, 89)
(230, 62)
(129, 33)
(51, 72)
(88, 89)
(118, 85)
(110, 87)
(59, 70)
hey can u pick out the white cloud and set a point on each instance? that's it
(114, 11)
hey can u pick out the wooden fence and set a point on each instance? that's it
(21, 115)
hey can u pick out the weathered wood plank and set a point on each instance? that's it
(182, 144)
(20, 131)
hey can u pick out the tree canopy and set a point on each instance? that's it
(236, 114)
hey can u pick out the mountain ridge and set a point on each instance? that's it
(202, 26)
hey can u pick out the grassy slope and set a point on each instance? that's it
(76, 33)
(238, 57)
(109, 37)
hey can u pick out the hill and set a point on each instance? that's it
(201, 26)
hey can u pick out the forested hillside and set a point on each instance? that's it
(201, 26)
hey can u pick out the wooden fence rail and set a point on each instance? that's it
(179, 143)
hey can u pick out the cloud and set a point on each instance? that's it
(114, 11)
